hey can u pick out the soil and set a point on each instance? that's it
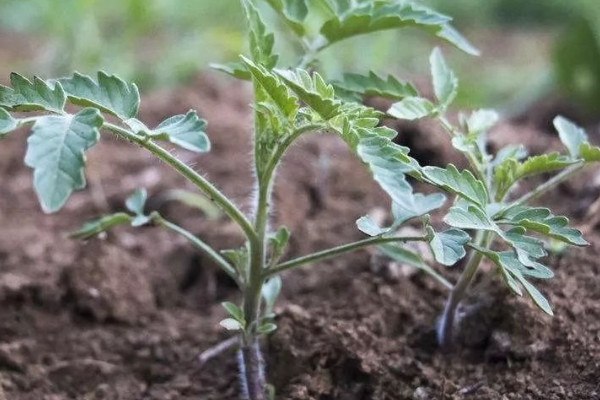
(124, 317)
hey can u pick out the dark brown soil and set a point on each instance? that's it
(125, 317)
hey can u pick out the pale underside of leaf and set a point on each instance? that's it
(32, 96)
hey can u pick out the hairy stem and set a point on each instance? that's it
(446, 322)
(335, 251)
(198, 180)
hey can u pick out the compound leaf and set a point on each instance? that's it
(541, 220)
(109, 93)
(187, 131)
(445, 83)
(411, 108)
(448, 246)
(374, 85)
(462, 184)
(32, 96)
(366, 17)
(55, 150)
(570, 134)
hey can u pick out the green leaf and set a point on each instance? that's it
(270, 292)
(411, 108)
(235, 69)
(537, 297)
(32, 96)
(137, 201)
(293, 12)
(388, 163)
(448, 246)
(367, 226)
(373, 85)
(531, 246)
(462, 184)
(261, 41)
(274, 88)
(194, 200)
(445, 83)
(470, 218)
(93, 228)
(187, 131)
(366, 17)
(313, 91)
(589, 153)
(407, 257)
(278, 241)
(234, 311)
(7, 123)
(541, 220)
(267, 328)
(55, 152)
(415, 206)
(231, 324)
(570, 134)
(481, 121)
(109, 93)
(541, 164)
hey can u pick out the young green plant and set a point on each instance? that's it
(287, 104)
(507, 230)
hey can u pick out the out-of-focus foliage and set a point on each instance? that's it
(160, 42)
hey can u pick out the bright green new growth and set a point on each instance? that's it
(287, 104)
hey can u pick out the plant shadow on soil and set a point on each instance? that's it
(125, 317)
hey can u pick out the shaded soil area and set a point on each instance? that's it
(125, 317)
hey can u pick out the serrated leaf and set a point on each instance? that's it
(373, 85)
(541, 164)
(411, 108)
(589, 153)
(235, 69)
(541, 220)
(231, 324)
(234, 311)
(109, 93)
(187, 131)
(570, 134)
(448, 246)
(416, 205)
(388, 163)
(38, 95)
(407, 257)
(293, 12)
(93, 228)
(463, 184)
(511, 261)
(313, 91)
(261, 41)
(366, 17)
(509, 280)
(274, 88)
(270, 292)
(137, 201)
(532, 246)
(55, 150)
(470, 218)
(7, 123)
(445, 83)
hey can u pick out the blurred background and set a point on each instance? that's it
(530, 50)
